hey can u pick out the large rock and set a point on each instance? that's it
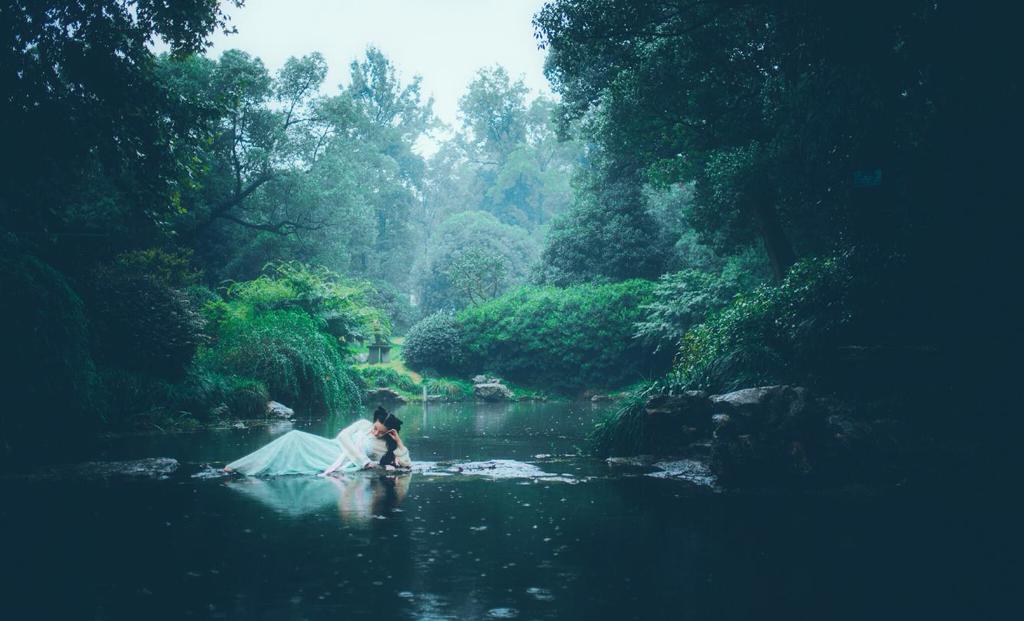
(279, 410)
(492, 391)
(384, 394)
(673, 422)
(766, 435)
(691, 408)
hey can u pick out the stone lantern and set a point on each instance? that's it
(380, 348)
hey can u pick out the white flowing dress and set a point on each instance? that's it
(298, 452)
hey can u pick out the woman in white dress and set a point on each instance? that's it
(363, 444)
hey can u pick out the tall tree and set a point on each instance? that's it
(97, 148)
(771, 108)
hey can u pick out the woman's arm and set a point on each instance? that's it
(349, 448)
(402, 459)
(337, 464)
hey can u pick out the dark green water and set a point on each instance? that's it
(583, 541)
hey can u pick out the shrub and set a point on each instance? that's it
(684, 299)
(776, 333)
(287, 351)
(435, 344)
(46, 340)
(141, 322)
(385, 377)
(785, 332)
(449, 389)
(340, 305)
(565, 339)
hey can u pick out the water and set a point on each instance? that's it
(497, 522)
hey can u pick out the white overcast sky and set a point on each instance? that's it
(445, 41)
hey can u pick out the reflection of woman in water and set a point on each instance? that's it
(360, 445)
(367, 496)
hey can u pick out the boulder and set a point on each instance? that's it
(384, 394)
(492, 391)
(766, 435)
(600, 398)
(279, 410)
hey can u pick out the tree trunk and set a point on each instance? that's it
(780, 251)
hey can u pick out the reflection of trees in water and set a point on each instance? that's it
(358, 496)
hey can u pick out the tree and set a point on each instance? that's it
(506, 158)
(100, 145)
(769, 108)
(292, 174)
(478, 274)
(608, 235)
(484, 256)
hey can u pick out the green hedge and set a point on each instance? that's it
(549, 337)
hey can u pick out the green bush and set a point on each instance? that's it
(449, 389)
(286, 350)
(385, 377)
(341, 306)
(785, 332)
(46, 340)
(141, 322)
(564, 339)
(778, 333)
(204, 391)
(434, 344)
(684, 299)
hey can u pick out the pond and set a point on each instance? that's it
(540, 534)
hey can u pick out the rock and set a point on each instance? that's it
(279, 410)
(159, 468)
(384, 394)
(675, 421)
(766, 435)
(481, 379)
(492, 391)
(600, 398)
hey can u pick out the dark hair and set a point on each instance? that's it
(390, 421)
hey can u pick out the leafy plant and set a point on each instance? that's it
(435, 343)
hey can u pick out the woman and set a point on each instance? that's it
(360, 445)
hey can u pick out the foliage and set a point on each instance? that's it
(564, 339)
(140, 321)
(768, 108)
(623, 433)
(373, 376)
(393, 304)
(774, 334)
(506, 159)
(477, 274)
(339, 304)
(288, 351)
(607, 235)
(101, 144)
(482, 254)
(293, 175)
(172, 267)
(683, 299)
(46, 340)
(449, 389)
(435, 343)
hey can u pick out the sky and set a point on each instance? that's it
(444, 41)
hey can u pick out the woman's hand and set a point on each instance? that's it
(394, 436)
(325, 473)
